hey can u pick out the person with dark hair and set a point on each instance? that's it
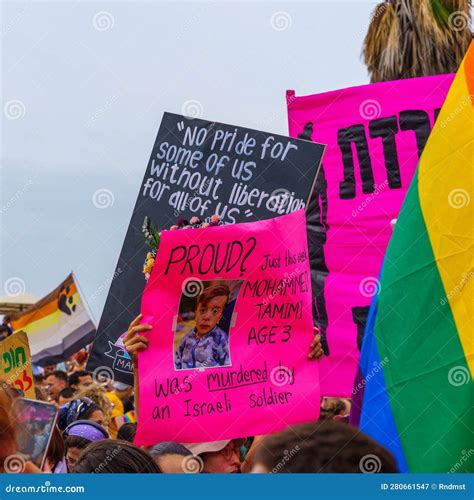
(55, 382)
(55, 455)
(7, 325)
(127, 431)
(79, 409)
(66, 395)
(115, 456)
(4, 333)
(80, 380)
(322, 446)
(335, 407)
(171, 458)
(207, 344)
(78, 436)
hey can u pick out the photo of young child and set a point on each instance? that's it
(202, 332)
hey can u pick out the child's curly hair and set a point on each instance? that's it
(97, 394)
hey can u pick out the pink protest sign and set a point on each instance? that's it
(374, 135)
(230, 308)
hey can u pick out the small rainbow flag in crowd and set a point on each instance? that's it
(417, 358)
(130, 417)
(57, 326)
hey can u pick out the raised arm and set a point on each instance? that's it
(134, 343)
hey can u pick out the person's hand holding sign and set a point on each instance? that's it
(134, 343)
(316, 350)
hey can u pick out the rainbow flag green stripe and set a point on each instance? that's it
(421, 403)
(427, 374)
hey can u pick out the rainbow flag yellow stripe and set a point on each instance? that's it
(446, 194)
(420, 401)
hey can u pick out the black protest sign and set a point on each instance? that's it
(200, 168)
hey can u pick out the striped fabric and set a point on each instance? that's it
(57, 326)
(417, 359)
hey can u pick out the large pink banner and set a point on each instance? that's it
(230, 308)
(374, 135)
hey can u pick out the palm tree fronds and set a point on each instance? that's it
(410, 38)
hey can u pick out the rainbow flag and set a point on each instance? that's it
(417, 359)
(57, 326)
(130, 417)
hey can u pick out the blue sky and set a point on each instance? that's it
(84, 88)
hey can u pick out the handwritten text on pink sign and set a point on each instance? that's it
(230, 308)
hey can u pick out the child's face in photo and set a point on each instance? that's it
(207, 316)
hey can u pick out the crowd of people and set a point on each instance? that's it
(97, 420)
